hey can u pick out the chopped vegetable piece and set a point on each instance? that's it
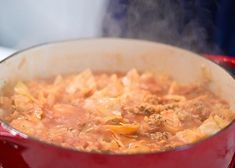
(124, 129)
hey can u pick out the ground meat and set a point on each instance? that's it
(197, 108)
(147, 109)
(160, 136)
(154, 122)
(152, 99)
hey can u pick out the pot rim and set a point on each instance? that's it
(22, 135)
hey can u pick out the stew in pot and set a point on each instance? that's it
(114, 112)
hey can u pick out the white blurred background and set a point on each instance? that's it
(24, 23)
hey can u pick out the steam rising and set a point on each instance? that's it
(167, 21)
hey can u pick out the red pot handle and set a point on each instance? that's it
(222, 60)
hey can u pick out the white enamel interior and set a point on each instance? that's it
(116, 55)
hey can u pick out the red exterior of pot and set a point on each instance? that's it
(215, 152)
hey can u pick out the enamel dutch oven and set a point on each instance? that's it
(20, 150)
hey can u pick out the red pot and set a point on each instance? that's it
(20, 150)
